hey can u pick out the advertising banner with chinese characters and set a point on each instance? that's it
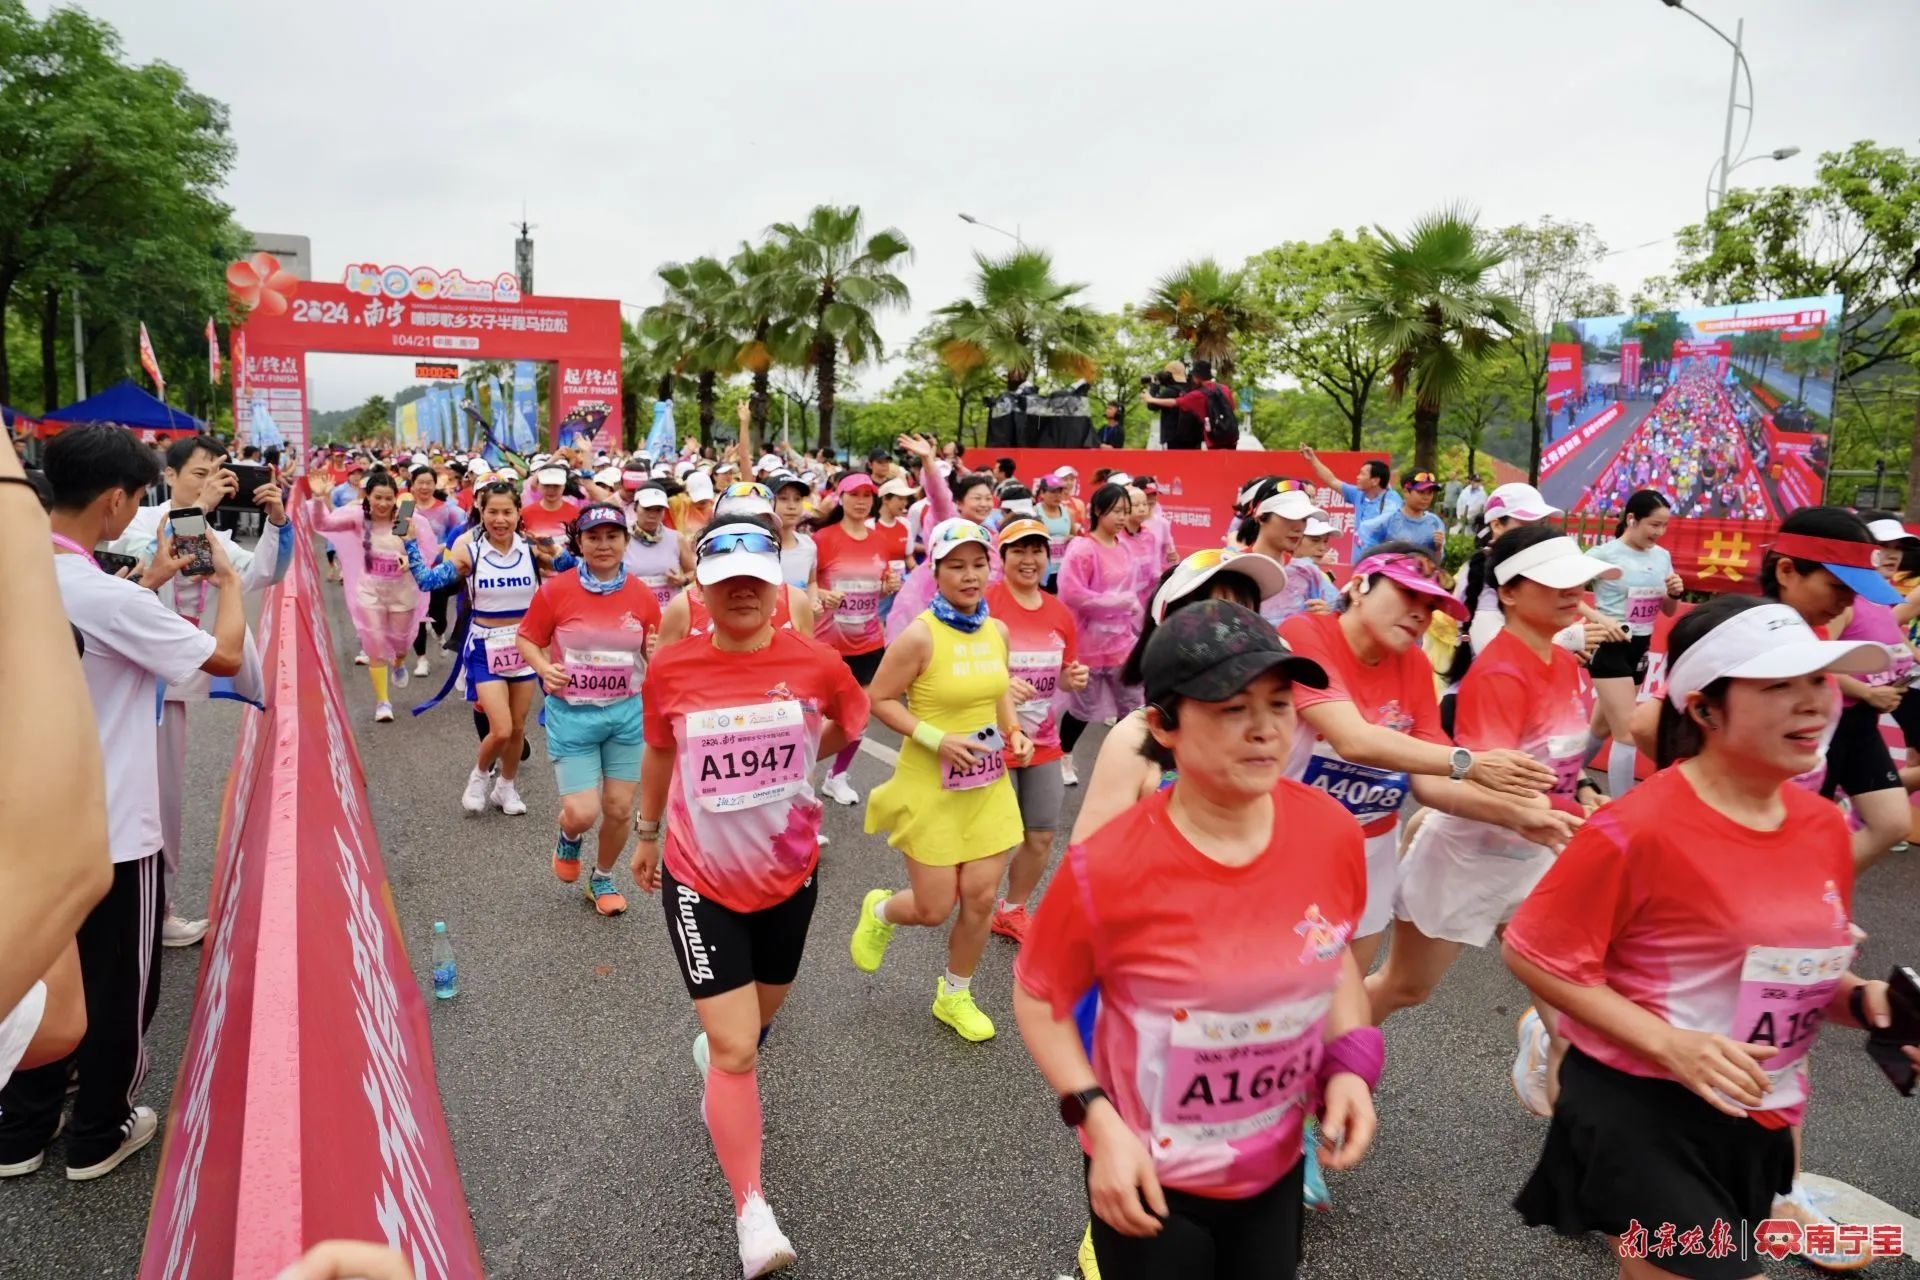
(1711, 555)
(1563, 374)
(279, 380)
(428, 313)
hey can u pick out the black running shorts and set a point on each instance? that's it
(720, 949)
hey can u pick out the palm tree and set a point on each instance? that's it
(760, 318)
(1429, 307)
(1205, 307)
(689, 330)
(1020, 319)
(835, 278)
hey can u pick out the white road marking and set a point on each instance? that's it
(880, 751)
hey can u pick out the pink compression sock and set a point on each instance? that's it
(843, 759)
(733, 1121)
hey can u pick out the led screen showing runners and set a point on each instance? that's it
(1726, 410)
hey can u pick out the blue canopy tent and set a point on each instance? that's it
(127, 404)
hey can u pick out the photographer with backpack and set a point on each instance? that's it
(1210, 402)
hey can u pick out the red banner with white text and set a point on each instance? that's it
(1563, 374)
(1197, 487)
(306, 1107)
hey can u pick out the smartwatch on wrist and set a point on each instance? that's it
(1073, 1106)
(1462, 760)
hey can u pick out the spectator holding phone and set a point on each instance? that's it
(134, 642)
(197, 479)
(53, 860)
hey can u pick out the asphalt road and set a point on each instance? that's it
(1564, 487)
(893, 1148)
(1818, 391)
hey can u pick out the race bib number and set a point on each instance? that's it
(859, 603)
(661, 588)
(981, 773)
(598, 676)
(1041, 669)
(1367, 793)
(1566, 756)
(503, 654)
(744, 757)
(385, 565)
(1783, 998)
(1643, 606)
(1230, 1075)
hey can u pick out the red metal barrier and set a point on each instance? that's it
(306, 1106)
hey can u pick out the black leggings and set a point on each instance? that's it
(1071, 727)
(1206, 1239)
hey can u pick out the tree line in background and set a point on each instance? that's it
(1429, 343)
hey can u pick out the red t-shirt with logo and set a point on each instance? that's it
(1396, 693)
(1512, 699)
(857, 568)
(1215, 981)
(1040, 645)
(743, 822)
(601, 640)
(1707, 924)
(538, 522)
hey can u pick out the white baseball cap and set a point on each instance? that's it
(768, 462)
(1318, 528)
(896, 488)
(550, 475)
(1119, 477)
(477, 467)
(608, 477)
(1065, 469)
(651, 495)
(1520, 502)
(1557, 562)
(714, 565)
(1200, 568)
(1888, 531)
(1770, 642)
(1294, 504)
(699, 487)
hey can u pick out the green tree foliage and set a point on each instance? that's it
(1547, 270)
(690, 328)
(1431, 304)
(1020, 318)
(1657, 332)
(1207, 309)
(108, 174)
(1130, 347)
(766, 330)
(835, 280)
(1300, 292)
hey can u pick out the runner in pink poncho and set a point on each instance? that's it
(974, 501)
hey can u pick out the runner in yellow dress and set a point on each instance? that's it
(950, 806)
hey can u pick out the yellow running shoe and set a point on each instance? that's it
(870, 936)
(957, 1010)
(1089, 1265)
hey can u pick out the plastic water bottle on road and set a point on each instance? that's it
(445, 986)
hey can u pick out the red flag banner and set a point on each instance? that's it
(151, 365)
(213, 352)
(1710, 555)
(238, 336)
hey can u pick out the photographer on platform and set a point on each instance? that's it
(1179, 429)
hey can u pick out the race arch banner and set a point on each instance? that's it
(427, 314)
(306, 1107)
(1198, 486)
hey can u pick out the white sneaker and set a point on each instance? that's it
(701, 1055)
(1067, 775)
(1530, 1063)
(474, 798)
(460, 681)
(136, 1133)
(382, 712)
(400, 676)
(507, 796)
(837, 789)
(824, 842)
(421, 667)
(360, 658)
(176, 932)
(764, 1248)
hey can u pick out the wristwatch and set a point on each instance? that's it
(1073, 1106)
(1462, 760)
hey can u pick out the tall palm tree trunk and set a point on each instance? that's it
(825, 370)
(758, 399)
(1426, 436)
(706, 394)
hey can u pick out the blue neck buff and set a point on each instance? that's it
(968, 622)
(598, 588)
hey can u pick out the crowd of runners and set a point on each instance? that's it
(1290, 828)
(1698, 446)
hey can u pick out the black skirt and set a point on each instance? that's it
(1626, 1149)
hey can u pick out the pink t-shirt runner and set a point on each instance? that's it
(1040, 645)
(1215, 981)
(601, 640)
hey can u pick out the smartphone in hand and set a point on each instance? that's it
(113, 561)
(403, 517)
(188, 526)
(1885, 1044)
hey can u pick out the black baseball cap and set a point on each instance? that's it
(879, 455)
(1212, 650)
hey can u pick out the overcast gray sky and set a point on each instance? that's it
(642, 133)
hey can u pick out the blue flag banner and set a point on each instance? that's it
(525, 437)
(264, 430)
(497, 419)
(661, 442)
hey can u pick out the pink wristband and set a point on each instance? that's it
(1362, 1051)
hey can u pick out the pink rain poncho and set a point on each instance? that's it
(1097, 584)
(385, 605)
(916, 593)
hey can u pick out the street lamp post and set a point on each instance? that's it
(1021, 246)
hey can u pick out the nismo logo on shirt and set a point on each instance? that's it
(517, 580)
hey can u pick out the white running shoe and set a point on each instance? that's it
(474, 799)
(460, 681)
(824, 842)
(1067, 775)
(507, 796)
(701, 1056)
(136, 1133)
(837, 789)
(764, 1248)
(176, 932)
(360, 658)
(422, 667)
(400, 676)
(382, 712)
(1530, 1063)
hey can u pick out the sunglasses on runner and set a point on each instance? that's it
(751, 541)
(748, 489)
(956, 532)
